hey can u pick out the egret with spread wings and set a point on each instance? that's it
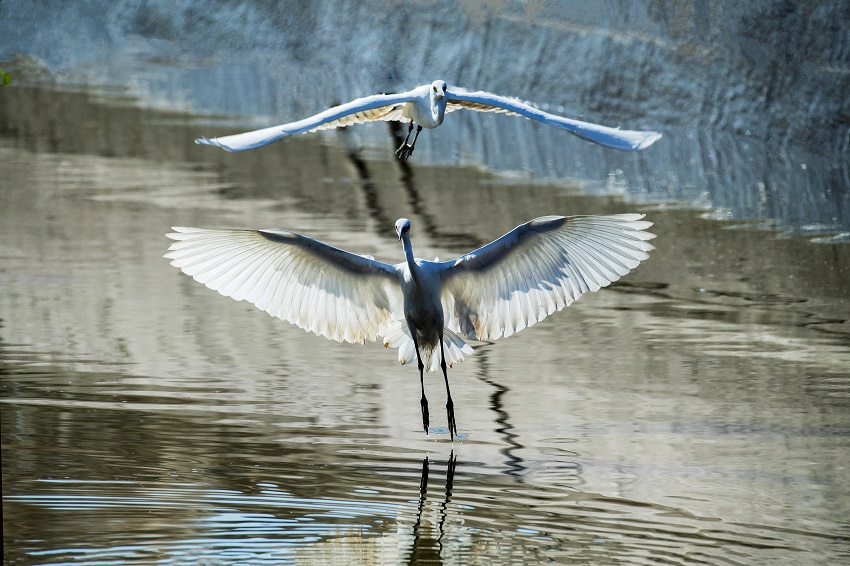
(426, 309)
(425, 107)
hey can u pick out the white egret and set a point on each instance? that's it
(425, 107)
(423, 308)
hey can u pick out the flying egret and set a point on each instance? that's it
(425, 107)
(423, 308)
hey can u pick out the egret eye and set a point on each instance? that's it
(444, 88)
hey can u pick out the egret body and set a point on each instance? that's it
(426, 309)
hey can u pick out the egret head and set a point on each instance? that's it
(438, 89)
(402, 227)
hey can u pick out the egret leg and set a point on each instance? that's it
(404, 150)
(422, 400)
(416, 137)
(450, 406)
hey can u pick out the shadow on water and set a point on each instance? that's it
(426, 220)
(372, 198)
(513, 461)
(431, 224)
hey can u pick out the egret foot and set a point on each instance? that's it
(404, 151)
(450, 410)
(424, 403)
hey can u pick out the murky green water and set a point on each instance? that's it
(697, 412)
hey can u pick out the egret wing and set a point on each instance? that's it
(627, 140)
(320, 288)
(538, 268)
(367, 109)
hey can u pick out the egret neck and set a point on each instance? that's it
(408, 254)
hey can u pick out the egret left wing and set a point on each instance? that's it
(368, 109)
(320, 288)
(627, 140)
(538, 268)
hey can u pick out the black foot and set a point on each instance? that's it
(450, 409)
(424, 403)
(404, 151)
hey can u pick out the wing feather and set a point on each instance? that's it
(320, 288)
(387, 113)
(538, 268)
(453, 105)
(361, 110)
(627, 140)
(253, 276)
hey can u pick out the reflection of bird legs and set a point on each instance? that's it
(404, 151)
(450, 478)
(423, 490)
(423, 547)
(450, 474)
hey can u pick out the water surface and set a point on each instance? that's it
(696, 412)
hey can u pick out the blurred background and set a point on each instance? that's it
(696, 411)
(751, 96)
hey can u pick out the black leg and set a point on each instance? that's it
(404, 150)
(422, 400)
(450, 406)
(416, 137)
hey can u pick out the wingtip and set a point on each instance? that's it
(213, 142)
(182, 232)
(648, 139)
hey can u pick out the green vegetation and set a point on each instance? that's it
(5, 78)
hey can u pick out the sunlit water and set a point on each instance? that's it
(696, 412)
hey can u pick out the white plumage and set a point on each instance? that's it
(424, 308)
(426, 106)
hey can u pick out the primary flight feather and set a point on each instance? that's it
(426, 106)
(426, 309)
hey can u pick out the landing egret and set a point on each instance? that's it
(425, 107)
(423, 308)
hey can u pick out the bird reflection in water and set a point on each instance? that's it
(426, 548)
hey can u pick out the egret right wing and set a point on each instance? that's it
(615, 138)
(320, 288)
(368, 109)
(537, 268)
